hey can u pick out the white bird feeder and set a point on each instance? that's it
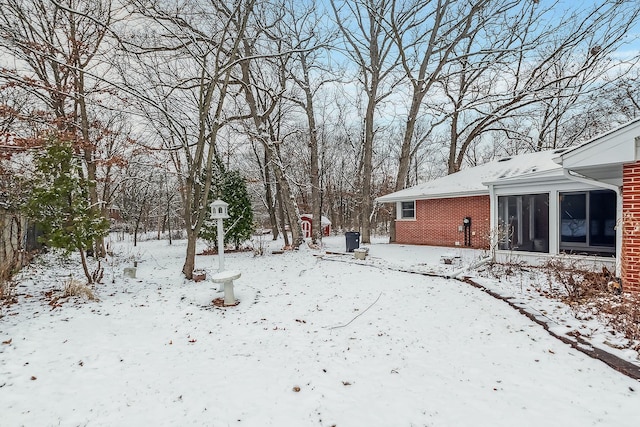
(219, 209)
(219, 212)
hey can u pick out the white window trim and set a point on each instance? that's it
(399, 216)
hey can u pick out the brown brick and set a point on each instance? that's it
(630, 256)
(437, 222)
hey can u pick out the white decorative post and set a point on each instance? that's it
(219, 212)
(224, 278)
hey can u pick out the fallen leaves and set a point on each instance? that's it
(7, 342)
(219, 303)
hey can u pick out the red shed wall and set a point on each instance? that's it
(306, 229)
(630, 257)
(437, 222)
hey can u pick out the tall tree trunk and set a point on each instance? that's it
(316, 209)
(316, 224)
(405, 151)
(289, 202)
(281, 216)
(271, 201)
(89, 157)
(367, 170)
(190, 257)
(452, 166)
(259, 114)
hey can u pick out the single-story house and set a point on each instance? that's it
(307, 221)
(444, 211)
(583, 200)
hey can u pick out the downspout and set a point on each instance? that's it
(585, 180)
(493, 227)
(480, 262)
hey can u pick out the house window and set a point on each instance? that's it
(523, 222)
(588, 221)
(408, 210)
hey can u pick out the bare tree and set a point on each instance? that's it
(301, 31)
(427, 35)
(268, 199)
(262, 85)
(611, 102)
(185, 57)
(372, 50)
(552, 66)
(341, 160)
(56, 47)
(626, 93)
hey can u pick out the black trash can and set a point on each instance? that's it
(353, 240)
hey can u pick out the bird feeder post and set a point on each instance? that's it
(219, 212)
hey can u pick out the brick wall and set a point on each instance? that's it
(437, 222)
(630, 259)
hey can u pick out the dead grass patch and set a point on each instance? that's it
(590, 293)
(7, 292)
(579, 283)
(71, 288)
(76, 288)
(622, 314)
(598, 293)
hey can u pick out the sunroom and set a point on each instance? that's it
(539, 215)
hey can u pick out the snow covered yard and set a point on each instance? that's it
(312, 342)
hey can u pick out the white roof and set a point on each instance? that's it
(473, 181)
(323, 219)
(617, 146)
(602, 158)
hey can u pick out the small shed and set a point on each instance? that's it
(307, 221)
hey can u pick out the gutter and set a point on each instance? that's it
(416, 197)
(581, 178)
